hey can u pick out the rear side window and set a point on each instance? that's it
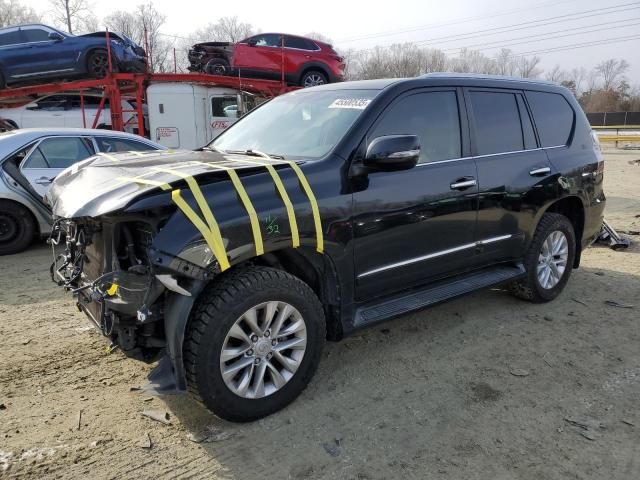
(10, 38)
(299, 43)
(433, 117)
(553, 117)
(497, 122)
(59, 152)
(35, 35)
(112, 145)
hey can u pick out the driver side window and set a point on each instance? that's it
(432, 116)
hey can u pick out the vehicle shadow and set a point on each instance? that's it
(464, 387)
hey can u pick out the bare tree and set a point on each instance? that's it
(578, 76)
(472, 61)
(433, 60)
(159, 49)
(611, 71)
(226, 29)
(556, 74)
(70, 13)
(12, 12)
(320, 37)
(125, 22)
(505, 63)
(528, 67)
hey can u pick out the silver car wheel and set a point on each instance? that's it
(552, 260)
(263, 349)
(313, 80)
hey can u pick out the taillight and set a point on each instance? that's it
(337, 58)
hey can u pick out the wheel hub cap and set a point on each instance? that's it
(263, 349)
(552, 260)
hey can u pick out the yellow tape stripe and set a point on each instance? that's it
(246, 202)
(295, 237)
(145, 181)
(314, 205)
(210, 231)
(106, 155)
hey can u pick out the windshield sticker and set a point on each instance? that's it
(357, 103)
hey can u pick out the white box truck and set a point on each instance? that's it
(188, 116)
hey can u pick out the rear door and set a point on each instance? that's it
(298, 51)
(416, 225)
(260, 55)
(52, 155)
(514, 174)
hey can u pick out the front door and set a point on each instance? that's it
(260, 56)
(417, 225)
(514, 174)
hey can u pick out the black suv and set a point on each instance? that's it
(321, 212)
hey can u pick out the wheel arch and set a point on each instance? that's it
(573, 208)
(307, 67)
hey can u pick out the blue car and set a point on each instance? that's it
(35, 52)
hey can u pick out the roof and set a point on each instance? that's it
(485, 76)
(14, 139)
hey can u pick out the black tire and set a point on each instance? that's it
(217, 309)
(17, 227)
(217, 66)
(530, 287)
(98, 64)
(312, 78)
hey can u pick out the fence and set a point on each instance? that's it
(605, 119)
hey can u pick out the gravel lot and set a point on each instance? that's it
(485, 387)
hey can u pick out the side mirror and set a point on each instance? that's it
(393, 152)
(55, 36)
(31, 106)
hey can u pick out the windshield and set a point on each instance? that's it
(304, 124)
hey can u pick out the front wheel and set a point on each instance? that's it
(549, 260)
(217, 66)
(253, 343)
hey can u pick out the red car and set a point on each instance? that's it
(306, 62)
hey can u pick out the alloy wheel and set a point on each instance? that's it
(99, 65)
(313, 80)
(552, 260)
(263, 349)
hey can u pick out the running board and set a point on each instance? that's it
(436, 293)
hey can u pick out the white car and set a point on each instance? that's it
(64, 110)
(29, 161)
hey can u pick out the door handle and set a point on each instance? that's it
(537, 172)
(463, 183)
(44, 181)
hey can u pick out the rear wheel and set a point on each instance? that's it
(313, 78)
(549, 260)
(253, 343)
(17, 227)
(217, 66)
(98, 64)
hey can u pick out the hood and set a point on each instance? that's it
(118, 37)
(212, 47)
(109, 182)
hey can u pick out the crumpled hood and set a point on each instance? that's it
(108, 182)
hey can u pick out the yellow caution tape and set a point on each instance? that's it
(106, 155)
(314, 205)
(246, 202)
(209, 230)
(113, 289)
(295, 237)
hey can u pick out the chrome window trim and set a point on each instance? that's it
(489, 155)
(429, 256)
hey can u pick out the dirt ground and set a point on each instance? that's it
(484, 387)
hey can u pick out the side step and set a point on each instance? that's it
(436, 293)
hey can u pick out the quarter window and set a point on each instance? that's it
(433, 117)
(553, 116)
(497, 122)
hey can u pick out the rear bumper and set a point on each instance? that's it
(132, 65)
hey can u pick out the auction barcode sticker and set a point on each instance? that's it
(357, 103)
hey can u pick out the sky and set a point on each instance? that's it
(449, 25)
